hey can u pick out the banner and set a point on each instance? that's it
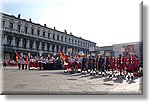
(62, 55)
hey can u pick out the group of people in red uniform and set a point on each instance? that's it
(109, 65)
(47, 63)
(121, 66)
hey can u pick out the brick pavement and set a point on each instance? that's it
(57, 82)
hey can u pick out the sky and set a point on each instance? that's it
(105, 22)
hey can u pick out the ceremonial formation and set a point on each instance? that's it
(109, 66)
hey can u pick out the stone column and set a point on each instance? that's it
(13, 41)
(20, 43)
(45, 47)
(27, 45)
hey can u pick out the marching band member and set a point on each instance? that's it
(80, 63)
(72, 65)
(107, 65)
(89, 64)
(130, 67)
(40, 63)
(84, 61)
(93, 65)
(112, 66)
(101, 62)
(120, 65)
(66, 65)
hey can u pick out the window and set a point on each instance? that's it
(3, 24)
(62, 38)
(43, 46)
(25, 30)
(69, 40)
(38, 32)
(11, 26)
(37, 45)
(72, 40)
(65, 39)
(53, 36)
(24, 43)
(9, 40)
(58, 37)
(32, 31)
(43, 34)
(18, 28)
(31, 44)
(17, 42)
(48, 35)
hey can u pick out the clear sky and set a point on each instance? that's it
(105, 22)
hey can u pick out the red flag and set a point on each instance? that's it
(27, 59)
(62, 55)
(16, 58)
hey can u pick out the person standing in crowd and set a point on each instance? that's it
(40, 63)
(80, 63)
(84, 61)
(89, 64)
(72, 60)
(19, 64)
(124, 66)
(107, 65)
(93, 62)
(77, 64)
(101, 62)
(112, 66)
(66, 65)
(130, 67)
(120, 65)
(51, 61)
(59, 63)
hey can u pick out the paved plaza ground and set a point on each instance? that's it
(57, 82)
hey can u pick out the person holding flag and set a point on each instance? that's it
(27, 61)
(19, 59)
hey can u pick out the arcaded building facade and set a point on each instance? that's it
(25, 36)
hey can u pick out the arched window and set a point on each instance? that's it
(24, 43)
(37, 45)
(31, 44)
(17, 42)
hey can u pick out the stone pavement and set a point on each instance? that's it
(57, 82)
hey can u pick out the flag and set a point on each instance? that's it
(18, 57)
(27, 59)
(62, 55)
(39, 55)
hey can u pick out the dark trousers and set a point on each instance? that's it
(40, 65)
(26, 66)
(19, 66)
(22, 66)
(93, 66)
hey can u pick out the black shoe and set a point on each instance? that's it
(131, 77)
(128, 77)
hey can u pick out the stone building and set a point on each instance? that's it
(28, 37)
